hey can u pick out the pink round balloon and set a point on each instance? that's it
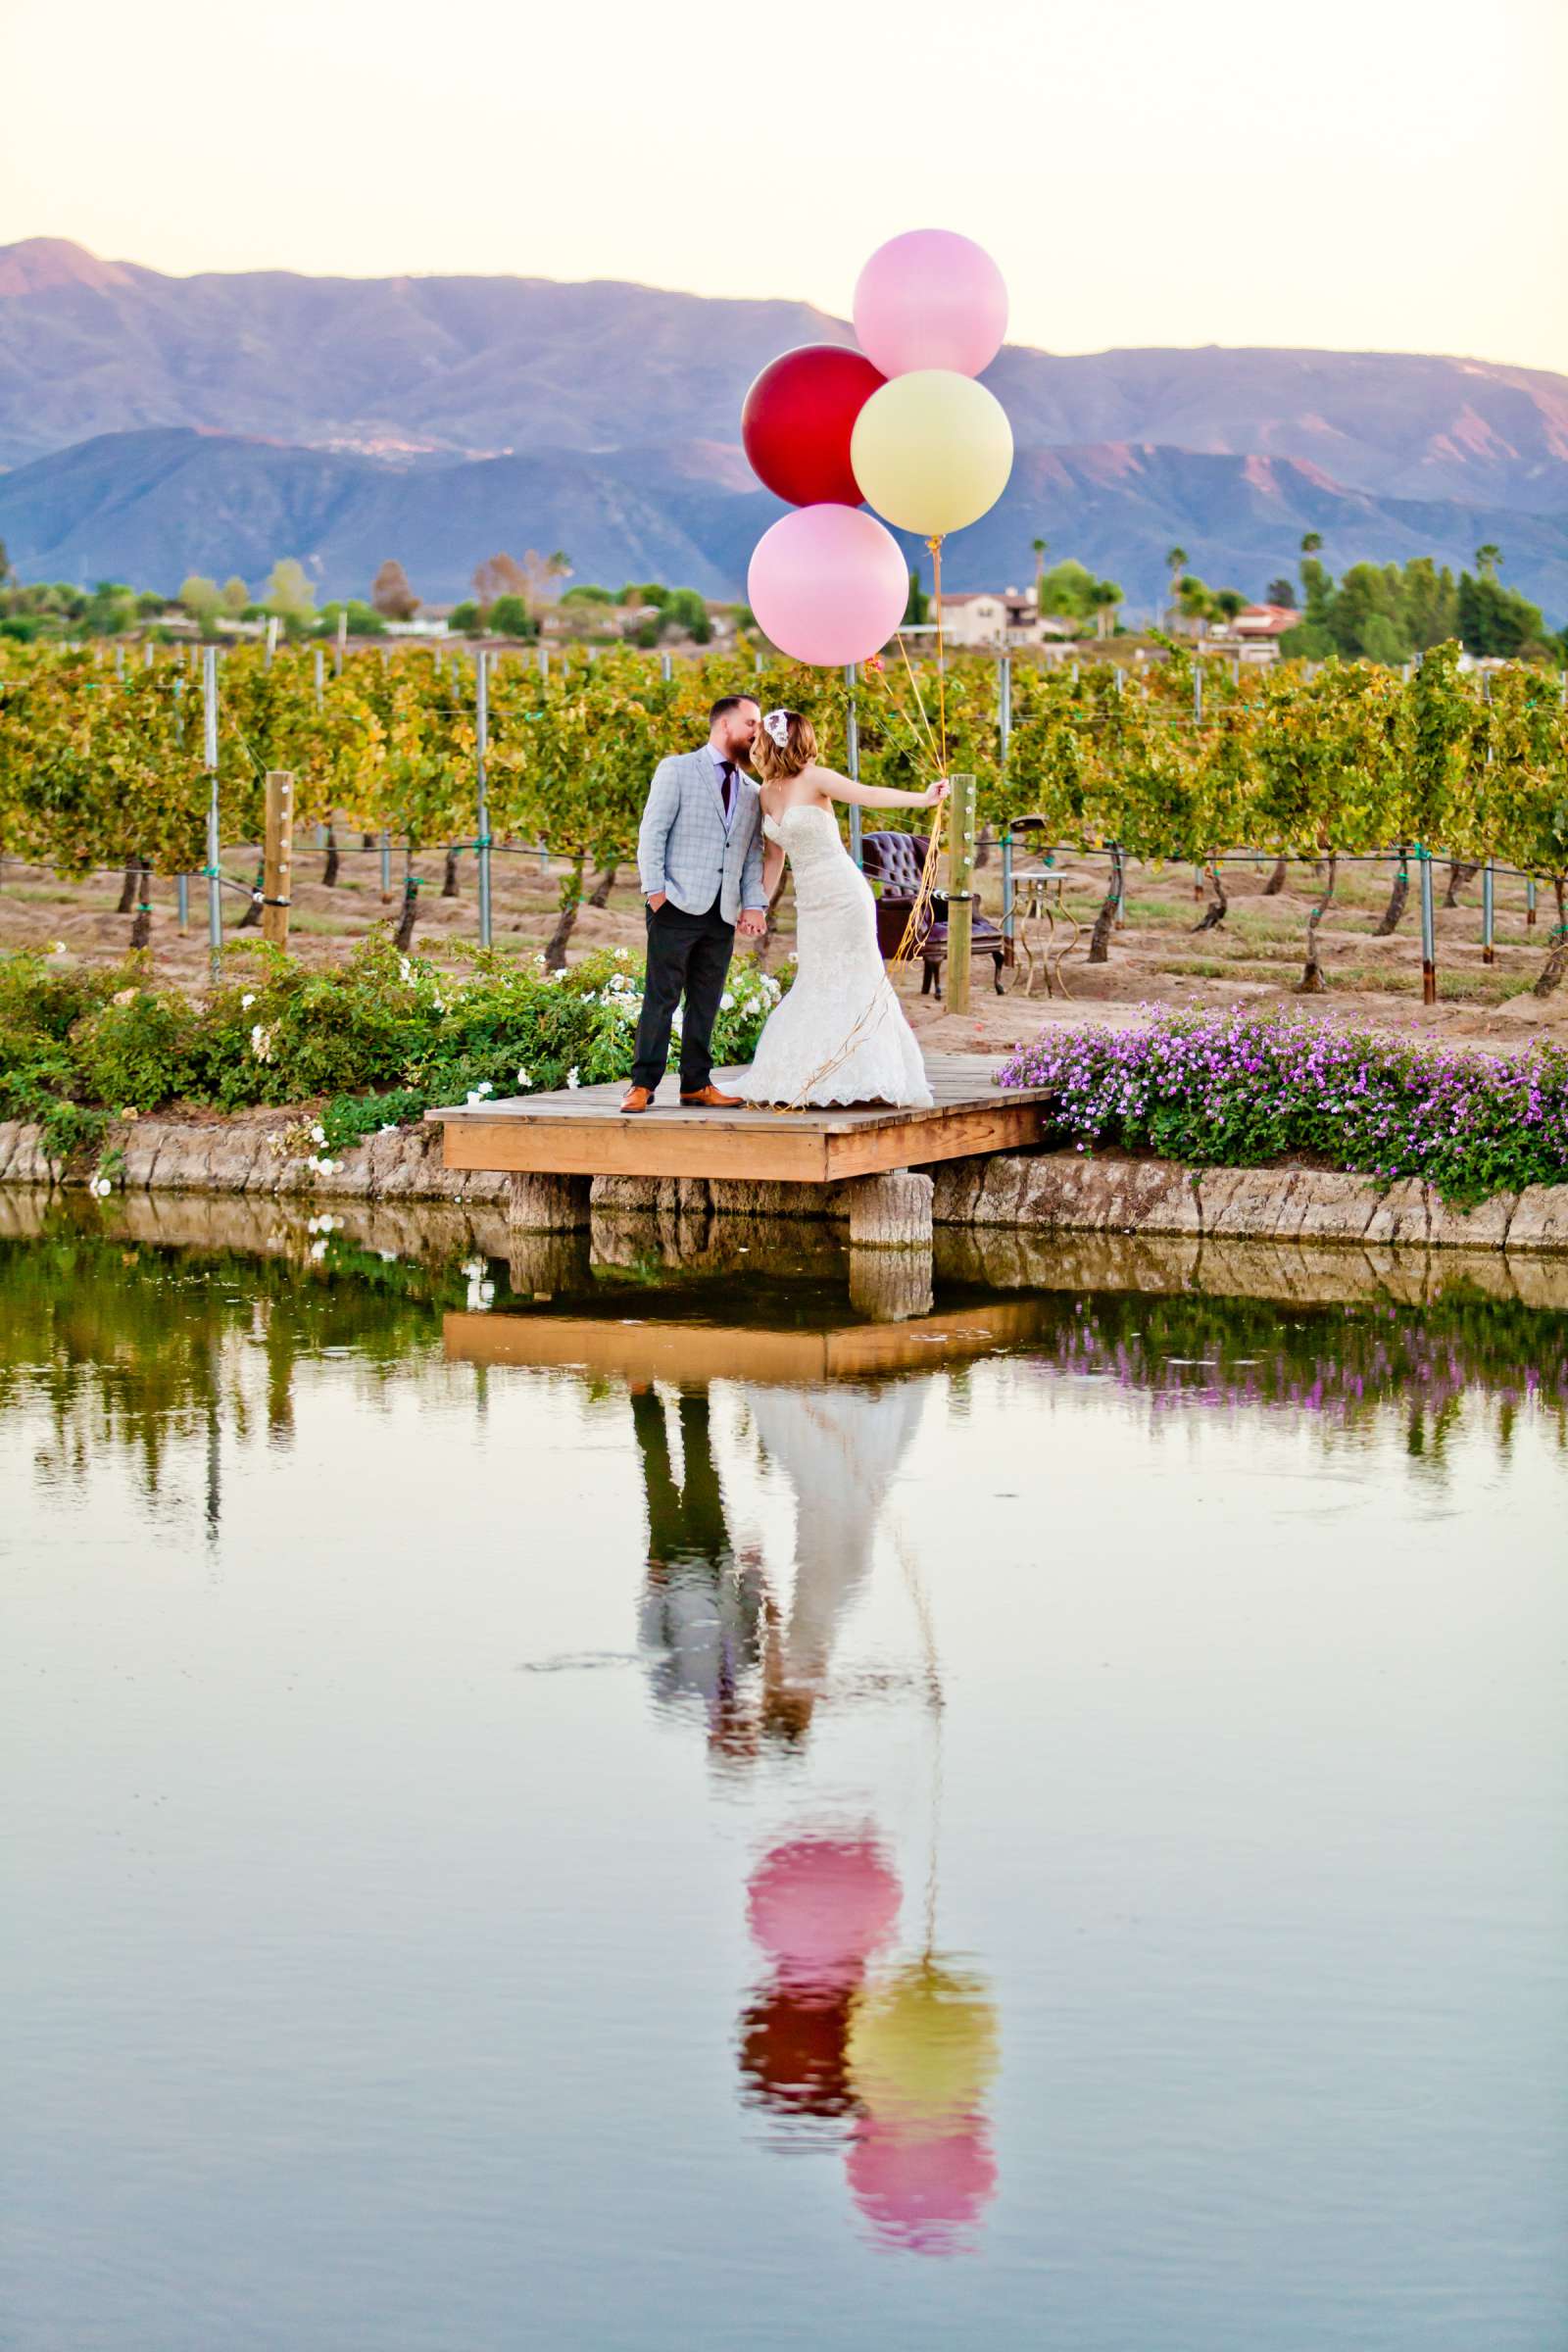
(820, 1906)
(918, 2193)
(931, 299)
(828, 585)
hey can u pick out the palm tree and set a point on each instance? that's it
(1039, 546)
(1487, 559)
(1176, 560)
(1311, 541)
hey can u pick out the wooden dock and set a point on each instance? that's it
(583, 1132)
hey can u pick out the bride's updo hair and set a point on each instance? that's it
(785, 744)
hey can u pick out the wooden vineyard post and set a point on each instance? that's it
(961, 877)
(278, 856)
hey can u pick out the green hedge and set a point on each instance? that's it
(379, 1039)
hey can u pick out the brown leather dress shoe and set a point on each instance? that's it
(638, 1098)
(710, 1098)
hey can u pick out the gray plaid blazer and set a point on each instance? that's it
(681, 846)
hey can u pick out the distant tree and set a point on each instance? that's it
(288, 591)
(1228, 601)
(587, 595)
(236, 595)
(1311, 542)
(1431, 604)
(1381, 641)
(1067, 590)
(543, 573)
(110, 607)
(390, 592)
(149, 604)
(533, 579)
(1176, 561)
(363, 621)
(466, 616)
(1281, 592)
(1105, 597)
(5, 565)
(1488, 560)
(498, 575)
(686, 610)
(202, 599)
(1195, 598)
(917, 605)
(1039, 546)
(510, 616)
(1498, 621)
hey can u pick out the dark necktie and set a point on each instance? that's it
(726, 769)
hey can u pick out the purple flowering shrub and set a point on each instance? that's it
(1246, 1090)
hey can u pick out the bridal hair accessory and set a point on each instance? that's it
(777, 726)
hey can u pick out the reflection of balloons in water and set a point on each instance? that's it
(931, 299)
(922, 2051)
(797, 420)
(820, 1906)
(932, 451)
(923, 2048)
(792, 2049)
(921, 2192)
(828, 585)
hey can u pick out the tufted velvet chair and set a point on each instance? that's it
(892, 864)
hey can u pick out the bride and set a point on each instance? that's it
(839, 1035)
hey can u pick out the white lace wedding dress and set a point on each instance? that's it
(839, 1035)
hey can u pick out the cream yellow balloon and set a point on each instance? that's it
(932, 451)
(923, 2046)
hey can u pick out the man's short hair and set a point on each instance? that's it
(727, 703)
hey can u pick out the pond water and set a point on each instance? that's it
(587, 1803)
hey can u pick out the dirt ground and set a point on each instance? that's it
(1255, 956)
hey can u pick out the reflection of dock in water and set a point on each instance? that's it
(692, 1354)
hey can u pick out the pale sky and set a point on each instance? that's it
(1381, 175)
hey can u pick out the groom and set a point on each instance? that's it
(699, 856)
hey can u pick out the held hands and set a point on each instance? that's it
(935, 794)
(751, 924)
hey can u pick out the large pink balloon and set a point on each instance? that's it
(820, 1906)
(828, 585)
(931, 299)
(922, 2193)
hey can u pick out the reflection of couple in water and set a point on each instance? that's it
(707, 1611)
(892, 2059)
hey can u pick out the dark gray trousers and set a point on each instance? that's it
(688, 955)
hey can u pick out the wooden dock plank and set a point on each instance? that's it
(582, 1131)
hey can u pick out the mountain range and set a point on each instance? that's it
(156, 425)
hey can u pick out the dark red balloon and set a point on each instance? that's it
(796, 421)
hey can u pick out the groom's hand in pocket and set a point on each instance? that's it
(655, 901)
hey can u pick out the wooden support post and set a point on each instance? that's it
(960, 878)
(278, 856)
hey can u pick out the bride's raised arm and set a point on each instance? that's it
(878, 796)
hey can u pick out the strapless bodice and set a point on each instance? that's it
(807, 834)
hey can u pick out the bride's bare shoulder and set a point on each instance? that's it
(817, 784)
